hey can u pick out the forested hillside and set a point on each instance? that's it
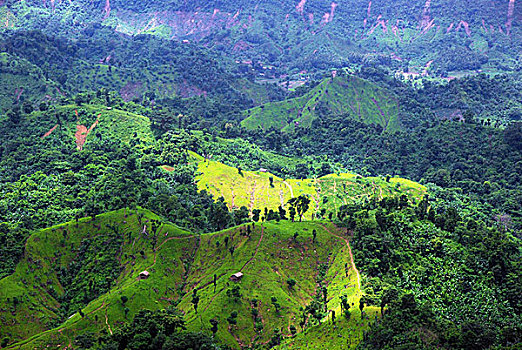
(306, 34)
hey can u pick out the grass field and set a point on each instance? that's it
(253, 190)
(178, 262)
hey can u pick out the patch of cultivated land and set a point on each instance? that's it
(253, 189)
(358, 98)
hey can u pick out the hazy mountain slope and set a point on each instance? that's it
(307, 34)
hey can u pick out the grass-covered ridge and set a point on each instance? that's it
(343, 94)
(105, 255)
(259, 189)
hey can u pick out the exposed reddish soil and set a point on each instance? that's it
(50, 131)
(82, 132)
(168, 168)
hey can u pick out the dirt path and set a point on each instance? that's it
(107, 319)
(290, 188)
(49, 132)
(349, 252)
(257, 248)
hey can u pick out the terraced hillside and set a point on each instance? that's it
(361, 99)
(104, 256)
(256, 190)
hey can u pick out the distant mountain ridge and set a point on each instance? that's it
(303, 34)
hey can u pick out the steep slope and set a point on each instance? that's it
(361, 99)
(90, 264)
(256, 190)
(307, 34)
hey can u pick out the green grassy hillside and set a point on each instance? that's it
(102, 259)
(359, 98)
(253, 190)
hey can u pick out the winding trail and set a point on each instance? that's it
(349, 252)
(107, 320)
(290, 188)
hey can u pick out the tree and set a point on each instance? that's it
(234, 293)
(232, 319)
(214, 328)
(388, 296)
(195, 299)
(282, 213)
(15, 115)
(291, 283)
(255, 214)
(292, 213)
(362, 301)
(513, 135)
(301, 205)
(276, 304)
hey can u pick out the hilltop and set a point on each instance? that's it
(342, 95)
(89, 264)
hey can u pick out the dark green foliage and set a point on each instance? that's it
(300, 205)
(162, 329)
(214, 324)
(232, 319)
(459, 278)
(234, 293)
(63, 183)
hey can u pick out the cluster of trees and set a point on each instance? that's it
(459, 271)
(53, 182)
(162, 329)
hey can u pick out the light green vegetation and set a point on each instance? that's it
(253, 190)
(343, 334)
(112, 122)
(105, 256)
(359, 98)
